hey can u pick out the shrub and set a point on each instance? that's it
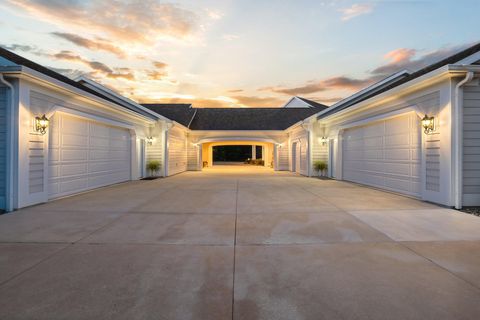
(320, 166)
(153, 166)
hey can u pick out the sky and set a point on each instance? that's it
(243, 53)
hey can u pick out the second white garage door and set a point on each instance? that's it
(385, 154)
(85, 154)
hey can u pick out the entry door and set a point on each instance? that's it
(85, 154)
(385, 154)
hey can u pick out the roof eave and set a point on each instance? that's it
(23, 72)
(446, 71)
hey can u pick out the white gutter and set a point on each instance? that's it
(432, 76)
(22, 71)
(10, 145)
(100, 87)
(458, 145)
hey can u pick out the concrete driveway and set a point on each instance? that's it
(243, 244)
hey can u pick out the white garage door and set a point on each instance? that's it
(385, 154)
(84, 155)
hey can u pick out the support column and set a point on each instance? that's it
(254, 152)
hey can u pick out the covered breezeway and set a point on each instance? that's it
(237, 152)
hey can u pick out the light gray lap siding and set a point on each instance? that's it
(3, 146)
(471, 145)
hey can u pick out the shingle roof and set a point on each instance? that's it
(15, 58)
(370, 94)
(179, 112)
(232, 118)
(249, 118)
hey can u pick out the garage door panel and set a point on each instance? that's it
(400, 140)
(70, 140)
(399, 125)
(372, 142)
(88, 155)
(72, 125)
(73, 155)
(99, 131)
(397, 154)
(385, 154)
(99, 142)
(73, 169)
(374, 130)
(372, 154)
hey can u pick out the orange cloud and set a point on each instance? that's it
(341, 82)
(97, 67)
(400, 55)
(132, 21)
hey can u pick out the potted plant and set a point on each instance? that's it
(321, 167)
(153, 166)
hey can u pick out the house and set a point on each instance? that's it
(416, 134)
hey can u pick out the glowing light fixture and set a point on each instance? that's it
(428, 124)
(41, 124)
(149, 140)
(323, 141)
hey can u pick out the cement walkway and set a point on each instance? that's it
(242, 244)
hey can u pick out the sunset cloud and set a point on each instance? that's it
(356, 10)
(97, 67)
(133, 21)
(406, 59)
(258, 102)
(341, 82)
(94, 45)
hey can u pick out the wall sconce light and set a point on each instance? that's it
(428, 124)
(323, 141)
(280, 145)
(149, 140)
(41, 124)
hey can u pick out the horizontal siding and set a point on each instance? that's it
(283, 155)
(3, 146)
(192, 156)
(177, 151)
(471, 146)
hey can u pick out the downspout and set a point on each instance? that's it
(10, 145)
(459, 140)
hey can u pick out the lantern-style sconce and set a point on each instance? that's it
(428, 124)
(149, 140)
(323, 141)
(41, 124)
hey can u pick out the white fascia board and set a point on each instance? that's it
(35, 76)
(364, 91)
(412, 85)
(103, 89)
(370, 88)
